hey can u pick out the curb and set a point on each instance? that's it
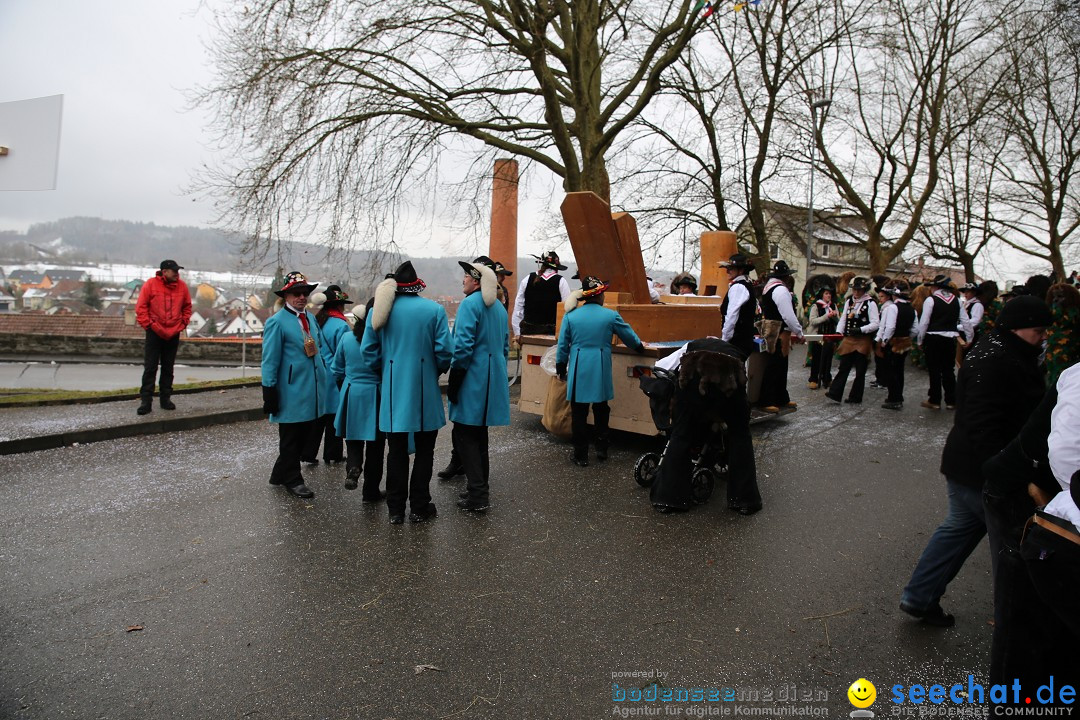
(126, 397)
(155, 427)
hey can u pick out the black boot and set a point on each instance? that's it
(352, 478)
(453, 469)
(166, 403)
(601, 447)
(146, 405)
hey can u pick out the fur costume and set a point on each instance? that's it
(728, 374)
(385, 293)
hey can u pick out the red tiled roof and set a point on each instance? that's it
(69, 325)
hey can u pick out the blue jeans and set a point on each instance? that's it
(951, 544)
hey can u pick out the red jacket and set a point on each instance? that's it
(164, 307)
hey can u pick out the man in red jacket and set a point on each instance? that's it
(164, 309)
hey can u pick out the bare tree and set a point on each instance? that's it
(1037, 208)
(887, 129)
(339, 111)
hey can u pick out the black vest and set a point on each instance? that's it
(944, 316)
(542, 299)
(905, 319)
(855, 320)
(769, 309)
(743, 335)
(829, 326)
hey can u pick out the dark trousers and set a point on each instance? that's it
(579, 426)
(400, 485)
(821, 362)
(1053, 565)
(367, 457)
(291, 438)
(322, 431)
(940, 355)
(851, 360)
(471, 445)
(892, 367)
(156, 350)
(774, 390)
(696, 422)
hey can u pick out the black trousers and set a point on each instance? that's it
(852, 360)
(696, 422)
(366, 456)
(579, 426)
(400, 485)
(774, 390)
(1053, 566)
(821, 362)
(940, 352)
(322, 431)
(291, 438)
(892, 369)
(471, 446)
(155, 351)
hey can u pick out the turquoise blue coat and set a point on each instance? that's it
(300, 380)
(585, 345)
(409, 364)
(357, 408)
(481, 348)
(331, 334)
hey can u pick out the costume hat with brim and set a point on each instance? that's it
(860, 283)
(296, 284)
(482, 270)
(406, 279)
(550, 259)
(969, 287)
(500, 269)
(738, 261)
(591, 286)
(943, 281)
(781, 270)
(336, 296)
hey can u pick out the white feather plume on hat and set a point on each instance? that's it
(384, 301)
(572, 300)
(360, 312)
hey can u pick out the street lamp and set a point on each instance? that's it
(814, 107)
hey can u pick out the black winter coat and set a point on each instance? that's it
(999, 385)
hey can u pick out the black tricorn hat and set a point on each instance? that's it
(295, 282)
(406, 279)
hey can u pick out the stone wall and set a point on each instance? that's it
(224, 351)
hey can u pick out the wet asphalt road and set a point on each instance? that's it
(254, 604)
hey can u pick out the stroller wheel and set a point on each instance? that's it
(645, 469)
(701, 485)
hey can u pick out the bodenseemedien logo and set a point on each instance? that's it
(862, 694)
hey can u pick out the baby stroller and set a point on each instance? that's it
(708, 461)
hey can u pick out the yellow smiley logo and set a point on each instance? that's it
(862, 693)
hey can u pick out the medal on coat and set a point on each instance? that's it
(309, 346)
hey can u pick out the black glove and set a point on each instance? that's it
(457, 378)
(270, 400)
(560, 370)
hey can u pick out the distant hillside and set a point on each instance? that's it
(94, 240)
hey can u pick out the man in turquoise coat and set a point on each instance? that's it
(409, 346)
(293, 380)
(478, 392)
(583, 359)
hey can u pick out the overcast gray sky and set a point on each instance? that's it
(127, 145)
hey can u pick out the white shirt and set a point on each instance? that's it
(924, 320)
(782, 297)
(519, 301)
(887, 325)
(971, 314)
(672, 361)
(738, 294)
(1064, 444)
